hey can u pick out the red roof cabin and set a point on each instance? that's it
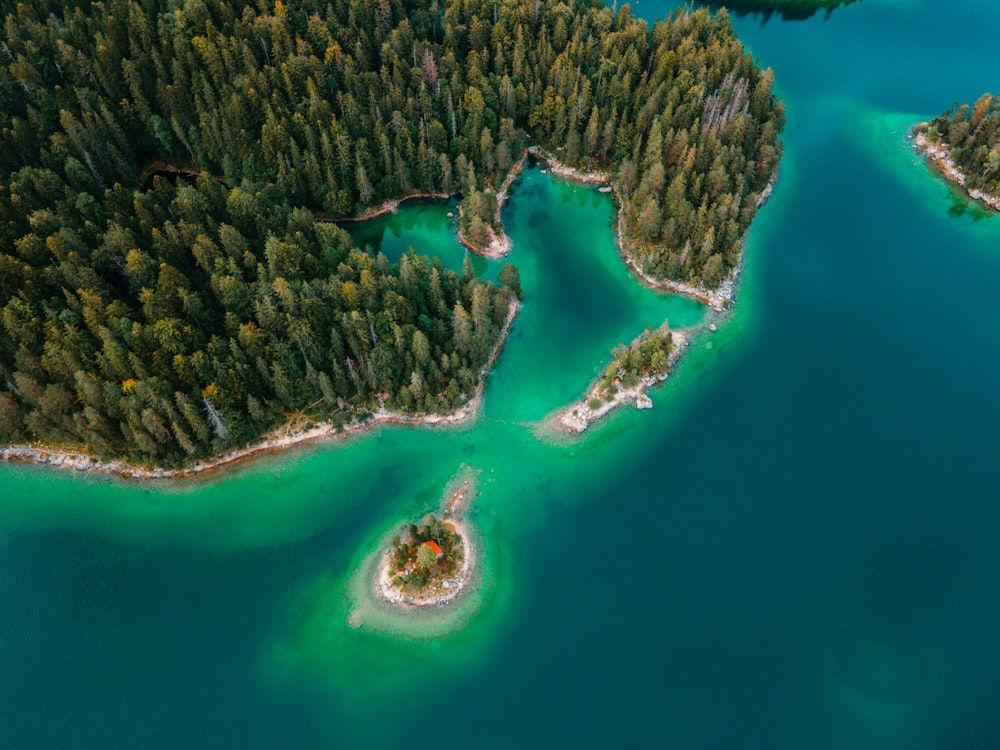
(435, 547)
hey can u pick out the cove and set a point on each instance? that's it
(795, 548)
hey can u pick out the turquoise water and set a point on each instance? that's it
(423, 225)
(794, 549)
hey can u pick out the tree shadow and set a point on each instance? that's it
(786, 10)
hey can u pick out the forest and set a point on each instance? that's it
(172, 282)
(972, 136)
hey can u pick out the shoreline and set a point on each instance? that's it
(389, 206)
(570, 173)
(459, 493)
(277, 440)
(718, 299)
(940, 156)
(578, 416)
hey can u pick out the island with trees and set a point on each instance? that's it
(964, 144)
(632, 371)
(431, 563)
(173, 284)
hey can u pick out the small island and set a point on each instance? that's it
(633, 369)
(963, 144)
(431, 563)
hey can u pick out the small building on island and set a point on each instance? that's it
(435, 548)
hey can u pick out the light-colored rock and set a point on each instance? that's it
(941, 156)
(580, 416)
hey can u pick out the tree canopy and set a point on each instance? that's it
(647, 355)
(425, 555)
(170, 283)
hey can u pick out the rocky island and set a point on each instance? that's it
(431, 563)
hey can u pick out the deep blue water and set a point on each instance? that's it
(794, 549)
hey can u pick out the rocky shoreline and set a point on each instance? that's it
(569, 173)
(280, 439)
(498, 246)
(579, 416)
(940, 156)
(720, 298)
(389, 206)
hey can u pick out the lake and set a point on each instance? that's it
(795, 548)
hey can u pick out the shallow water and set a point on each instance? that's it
(794, 549)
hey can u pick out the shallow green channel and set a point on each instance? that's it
(795, 548)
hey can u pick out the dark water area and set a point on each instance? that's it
(786, 10)
(795, 548)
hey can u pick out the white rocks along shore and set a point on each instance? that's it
(940, 156)
(284, 437)
(460, 493)
(579, 416)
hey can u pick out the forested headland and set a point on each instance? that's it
(633, 369)
(170, 281)
(968, 136)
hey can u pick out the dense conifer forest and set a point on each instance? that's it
(171, 283)
(972, 136)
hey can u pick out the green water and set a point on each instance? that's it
(794, 549)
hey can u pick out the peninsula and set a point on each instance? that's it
(632, 371)
(963, 144)
(173, 285)
(431, 563)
